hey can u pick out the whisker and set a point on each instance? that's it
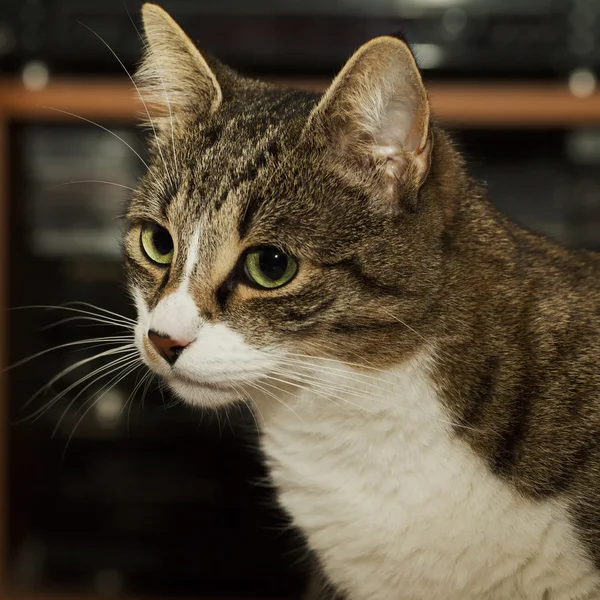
(161, 385)
(138, 93)
(75, 366)
(309, 386)
(360, 389)
(69, 306)
(249, 404)
(95, 401)
(131, 398)
(311, 380)
(327, 369)
(123, 322)
(119, 185)
(438, 350)
(102, 372)
(65, 112)
(145, 392)
(345, 375)
(335, 360)
(259, 386)
(102, 344)
(53, 349)
(104, 310)
(384, 403)
(43, 409)
(145, 45)
(362, 361)
(93, 322)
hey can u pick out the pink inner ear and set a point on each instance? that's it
(398, 137)
(398, 131)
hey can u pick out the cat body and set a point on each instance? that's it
(424, 373)
(407, 502)
(397, 508)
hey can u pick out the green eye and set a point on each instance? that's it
(157, 244)
(269, 267)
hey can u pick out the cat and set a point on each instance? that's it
(425, 374)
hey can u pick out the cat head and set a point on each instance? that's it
(275, 226)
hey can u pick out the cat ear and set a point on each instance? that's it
(376, 112)
(174, 77)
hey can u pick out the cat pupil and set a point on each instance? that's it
(162, 241)
(273, 264)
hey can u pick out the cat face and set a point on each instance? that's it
(277, 226)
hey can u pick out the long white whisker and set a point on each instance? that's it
(119, 185)
(248, 404)
(76, 365)
(104, 310)
(330, 397)
(96, 400)
(335, 360)
(362, 361)
(145, 392)
(325, 368)
(164, 89)
(93, 322)
(100, 373)
(43, 409)
(139, 94)
(131, 397)
(455, 424)
(345, 385)
(70, 114)
(259, 386)
(312, 380)
(107, 343)
(53, 349)
(421, 337)
(120, 322)
(160, 386)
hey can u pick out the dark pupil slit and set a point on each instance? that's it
(162, 241)
(273, 264)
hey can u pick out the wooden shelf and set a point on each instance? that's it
(463, 104)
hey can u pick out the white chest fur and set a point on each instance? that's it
(398, 509)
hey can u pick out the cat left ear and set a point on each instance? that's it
(376, 112)
(174, 77)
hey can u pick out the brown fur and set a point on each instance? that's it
(514, 317)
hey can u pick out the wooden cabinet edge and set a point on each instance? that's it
(467, 104)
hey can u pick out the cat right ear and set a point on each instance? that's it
(376, 113)
(174, 78)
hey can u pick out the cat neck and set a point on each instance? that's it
(327, 390)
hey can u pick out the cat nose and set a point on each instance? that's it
(167, 347)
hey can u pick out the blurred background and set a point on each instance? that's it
(113, 489)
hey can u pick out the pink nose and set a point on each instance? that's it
(167, 347)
